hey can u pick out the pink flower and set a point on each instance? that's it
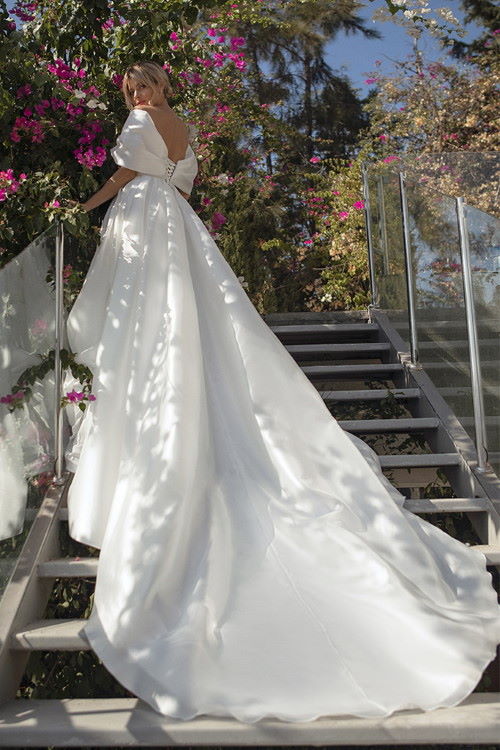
(382, 137)
(23, 91)
(358, 204)
(391, 158)
(343, 214)
(236, 42)
(371, 80)
(173, 36)
(218, 220)
(336, 192)
(314, 159)
(75, 395)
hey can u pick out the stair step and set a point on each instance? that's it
(325, 372)
(340, 351)
(447, 505)
(51, 635)
(129, 722)
(491, 553)
(374, 394)
(69, 567)
(311, 329)
(419, 461)
(413, 424)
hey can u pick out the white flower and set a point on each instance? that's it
(446, 14)
(222, 178)
(79, 94)
(101, 105)
(242, 281)
(92, 103)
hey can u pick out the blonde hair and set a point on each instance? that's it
(149, 73)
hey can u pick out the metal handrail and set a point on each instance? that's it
(59, 333)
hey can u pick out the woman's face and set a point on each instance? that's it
(140, 93)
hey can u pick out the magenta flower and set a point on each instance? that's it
(218, 220)
(343, 214)
(391, 158)
(371, 80)
(358, 204)
(23, 91)
(236, 42)
(314, 159)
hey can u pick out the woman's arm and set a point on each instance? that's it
(110, 188)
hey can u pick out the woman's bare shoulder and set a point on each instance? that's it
(162, 115)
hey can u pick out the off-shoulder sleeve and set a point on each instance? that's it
(129, 149)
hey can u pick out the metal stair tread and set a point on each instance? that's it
(66, 567)
(447, 504)
(363, 369)
(374, 394)
(402, 461)
(109, 722)
(324, 328)
(360, 348)
(402, 424)
(51, 635)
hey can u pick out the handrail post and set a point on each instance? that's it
(470, 313)
(59, 322)
(412, 318)
(369, 229)
(383, 222)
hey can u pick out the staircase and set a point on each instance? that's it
(357, 365)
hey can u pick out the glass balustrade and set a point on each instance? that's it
(27, 336)
(435, 256)
(484, 245)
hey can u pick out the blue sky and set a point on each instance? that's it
(357, 55)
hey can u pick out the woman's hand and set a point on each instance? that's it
(83, 206)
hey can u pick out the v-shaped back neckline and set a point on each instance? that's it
(163, 140)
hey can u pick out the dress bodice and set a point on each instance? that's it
(141, 147)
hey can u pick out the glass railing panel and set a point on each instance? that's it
(388, 253)
(484, 247)
(475, 176)
(27, 334)
(439, 297)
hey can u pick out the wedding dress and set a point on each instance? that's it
(254, 561)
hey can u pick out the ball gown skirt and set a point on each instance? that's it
(254, 561)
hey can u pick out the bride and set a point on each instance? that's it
(254, 560)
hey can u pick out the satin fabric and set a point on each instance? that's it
(254, 561)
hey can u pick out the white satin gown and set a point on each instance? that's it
(254, 561)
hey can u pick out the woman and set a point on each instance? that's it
(254, 561)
